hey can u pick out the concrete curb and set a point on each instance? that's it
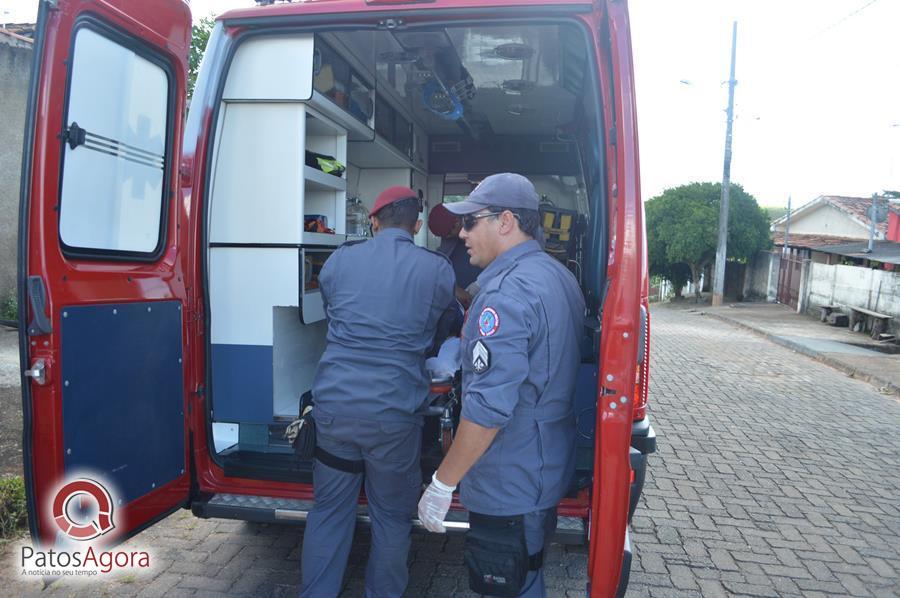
(837, 364)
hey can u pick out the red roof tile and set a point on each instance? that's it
(807, 241)
(857, 206)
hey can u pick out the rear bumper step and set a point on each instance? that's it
(267, 509)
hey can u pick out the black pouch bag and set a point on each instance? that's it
(496, 554)
(302, 431)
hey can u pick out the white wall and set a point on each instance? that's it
(756, 282)
(855, 286)
(15, 69)
(826, 220)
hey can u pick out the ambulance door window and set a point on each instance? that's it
(114, 153)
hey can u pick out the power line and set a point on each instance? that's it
(844, 18)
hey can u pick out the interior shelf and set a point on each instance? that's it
(321, 181)
(317, 125)
(356, 130)
(378, 153)
(322, 239)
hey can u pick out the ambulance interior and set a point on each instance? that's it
(312, 126)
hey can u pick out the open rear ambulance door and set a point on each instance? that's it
(102, 246)
(621, 343)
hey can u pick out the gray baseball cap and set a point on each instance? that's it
(504, 190)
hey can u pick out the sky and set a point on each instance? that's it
(817, 104)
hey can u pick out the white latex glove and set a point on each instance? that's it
(434, 504)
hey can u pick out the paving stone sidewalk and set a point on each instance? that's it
(776, 476)
(853, 353)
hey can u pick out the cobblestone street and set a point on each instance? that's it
(776, 475)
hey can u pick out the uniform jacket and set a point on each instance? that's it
(520, 359)
(383, 298)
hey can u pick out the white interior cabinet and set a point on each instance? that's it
(267, 317)
(262, 187)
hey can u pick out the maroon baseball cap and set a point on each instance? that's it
(505, 190)
(391, 195)
(441, 221)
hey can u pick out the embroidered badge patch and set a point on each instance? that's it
(481, 357)
(488, 321)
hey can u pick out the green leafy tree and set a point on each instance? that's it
(199, 37)
(775, 212)
(678, 273)
(683, 224)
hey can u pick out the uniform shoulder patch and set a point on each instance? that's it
(481, 357)
(488, 321)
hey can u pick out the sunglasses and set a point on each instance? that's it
(470, 220)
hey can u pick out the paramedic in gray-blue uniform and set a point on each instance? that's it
(514, 451)
(383, 298)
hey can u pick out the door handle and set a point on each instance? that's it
(38, 298)
(38, 372)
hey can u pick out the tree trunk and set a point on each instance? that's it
(695, 278)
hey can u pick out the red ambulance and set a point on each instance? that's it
(168, 263)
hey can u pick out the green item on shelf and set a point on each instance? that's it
(330, 166)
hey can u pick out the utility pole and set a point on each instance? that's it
(874, 216)
(721, 248)
(787, 229)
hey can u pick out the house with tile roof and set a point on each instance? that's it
(826, 258)
(834, 229)
(17, 35)
(833, 216)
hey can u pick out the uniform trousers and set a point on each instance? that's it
(393, 482)
(539, 529)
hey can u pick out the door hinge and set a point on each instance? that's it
(193, 309)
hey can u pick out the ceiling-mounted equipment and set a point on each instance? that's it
(513, 51)
(441, 101)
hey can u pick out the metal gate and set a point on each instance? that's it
(789, 280)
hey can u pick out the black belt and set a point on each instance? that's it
(339, 463)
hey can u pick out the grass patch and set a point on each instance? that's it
(9, 308)
(13, 510)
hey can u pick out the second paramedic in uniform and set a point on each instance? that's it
(383, 298)
(514, 450)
